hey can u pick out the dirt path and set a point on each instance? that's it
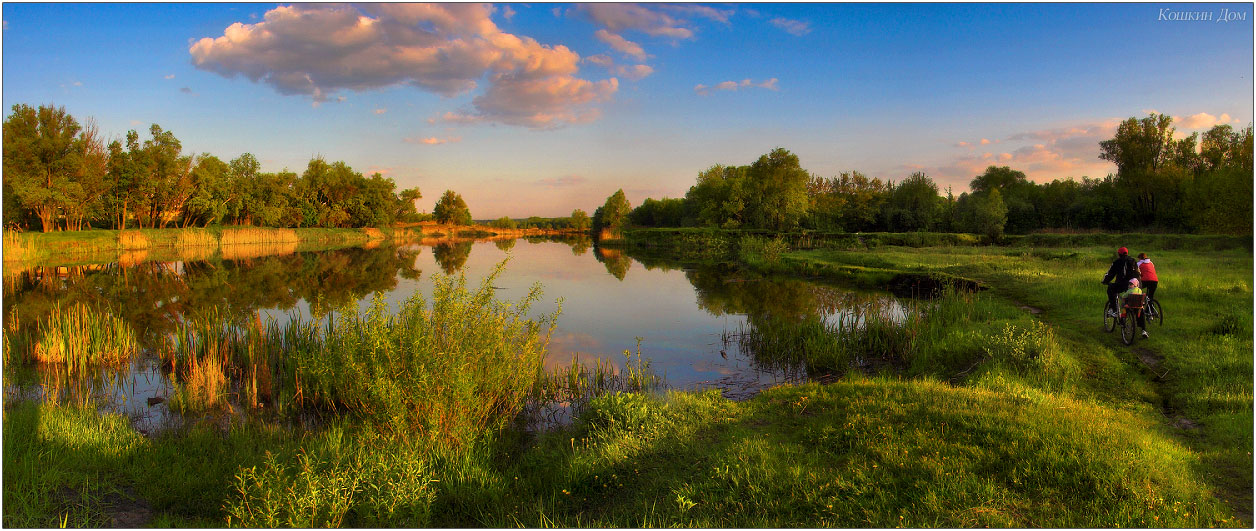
(1235, 487)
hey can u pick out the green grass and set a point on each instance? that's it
(1201, 356)
(984, 414)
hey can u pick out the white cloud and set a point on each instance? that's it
(704, 90)
(508, 12)
(380, 110)
(793, 27)
(317, 50)
(169, 76)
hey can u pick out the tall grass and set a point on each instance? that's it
(563, 393)
(77, 336)
(239, 244)
(449, 373)
(18, 246)
(132, 239)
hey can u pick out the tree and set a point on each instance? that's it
(913, 204)
(42, 156)
(718, 198)
(451, 209)
(614, 214)
(503, 222)
(407, 209)
(989, 214)
(579, 220)
(212, 192)
(776, 191)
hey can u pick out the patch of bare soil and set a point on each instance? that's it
(126, 510)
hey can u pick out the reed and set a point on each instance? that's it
(80, 336)
(18, 246)
(132, 258)
(132, 240)
(244, 251)
(449, 374)
(195, 244)
(566, 391)
(254, 236)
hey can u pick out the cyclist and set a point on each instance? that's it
(1147, 273)
(1135, 290)
(1118, 278)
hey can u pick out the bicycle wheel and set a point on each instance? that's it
(1128, 326)
(1155, 313)
(1109, 320)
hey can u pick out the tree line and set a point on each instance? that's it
(1196, 184)
(60, 175)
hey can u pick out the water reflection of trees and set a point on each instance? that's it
(451, 256)
(153, 296)
(617, 263)
(505, 244)
(722, 290)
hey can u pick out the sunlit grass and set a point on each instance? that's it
(76, 336)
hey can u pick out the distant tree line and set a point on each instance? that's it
(59, 174)
(1193, 184)
(578, 220)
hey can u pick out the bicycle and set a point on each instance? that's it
(1131, 311)
(1154, 312)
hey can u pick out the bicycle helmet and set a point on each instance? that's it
(1134, 282)
(1122, 251)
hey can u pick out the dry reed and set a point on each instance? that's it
(254, 236)
(257, 250)
(17, 246)
(133, 258)
(132, 239)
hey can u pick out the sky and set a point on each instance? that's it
(539, 109)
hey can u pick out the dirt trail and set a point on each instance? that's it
(1234, 491)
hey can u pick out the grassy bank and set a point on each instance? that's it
(1005, 407)
(65, 248)
(1194, 373)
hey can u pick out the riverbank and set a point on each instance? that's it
(128, 247)
(1006, 407)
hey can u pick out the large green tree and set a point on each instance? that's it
(776, 191)
(451, 209)
(43, 155)
(913, 204)
(613, 214)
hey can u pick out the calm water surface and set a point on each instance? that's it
(609, 299)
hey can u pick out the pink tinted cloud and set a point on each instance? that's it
(704, 90)
(621, 44)
(620, 17)
(316, 50)
(1202, 120)
(1044, 155)
(793, 27)
(432, 141)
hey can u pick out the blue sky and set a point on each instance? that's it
(537, 109)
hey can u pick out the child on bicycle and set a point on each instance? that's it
(1147, 271)
(1123, 269)
(1134, 290)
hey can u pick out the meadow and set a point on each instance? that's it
(1007, 406)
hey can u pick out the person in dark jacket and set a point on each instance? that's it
(1118, 278)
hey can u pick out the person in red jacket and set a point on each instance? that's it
(1147, 271)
